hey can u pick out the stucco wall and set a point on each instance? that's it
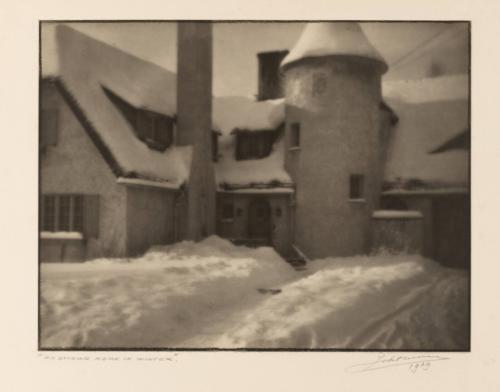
(75, 166)
(150, 218)
(237, 228)
(339, 137)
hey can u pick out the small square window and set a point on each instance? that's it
(319, 84)
(295, 134)
(227, 211)
(356, 186)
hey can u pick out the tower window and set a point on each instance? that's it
(319, 84)
(356, 187)
(295, 134)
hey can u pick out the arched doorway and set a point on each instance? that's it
(259, 220)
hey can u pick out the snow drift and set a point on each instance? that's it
(213, 294)
(154, 301)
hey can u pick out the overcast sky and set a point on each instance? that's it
(236, 45)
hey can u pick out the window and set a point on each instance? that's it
(215, 146)
(48, 127)
(356, 187)
(254, 145)
(319, 84)
(154, 129)
(227, 211)
(70, 213)
(278, 212)
(295, 135)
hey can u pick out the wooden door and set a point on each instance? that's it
(259, 220)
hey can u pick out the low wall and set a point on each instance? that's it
(397, 231)
(62, 250)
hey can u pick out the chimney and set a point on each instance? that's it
(270, 79)
(194, 123)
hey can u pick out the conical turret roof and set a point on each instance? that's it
(332, 38)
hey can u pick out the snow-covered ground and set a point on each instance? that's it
(214, 294)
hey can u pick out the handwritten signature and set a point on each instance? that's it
(387, 360)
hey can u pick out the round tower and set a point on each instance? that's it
(333, 97)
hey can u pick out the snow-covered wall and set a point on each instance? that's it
(75, 166)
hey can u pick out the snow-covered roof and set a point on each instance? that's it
(251, 173)
(85, 65)
(431, 111)
(248, 114)
(332, 38)
(425, 90)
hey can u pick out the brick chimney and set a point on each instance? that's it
(270, 83)
(194, 123)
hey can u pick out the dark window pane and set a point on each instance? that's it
(295, 135)
(64, 213)
(77, 213)
(215, 147)
(49, 212)
(356, 186)
(278, 212)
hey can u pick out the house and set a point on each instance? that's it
(133, 155)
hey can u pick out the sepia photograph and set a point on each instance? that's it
(254, 185)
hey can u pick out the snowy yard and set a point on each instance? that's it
(214, 294)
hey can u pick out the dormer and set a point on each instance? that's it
(154, 129)
(254, 144)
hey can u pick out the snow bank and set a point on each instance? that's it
(156, 300)
(332, 38)
(397, 302)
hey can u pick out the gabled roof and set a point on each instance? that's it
(86, 65)
(332, 38)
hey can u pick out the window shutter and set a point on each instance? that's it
(91, 216)
(49, 127)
